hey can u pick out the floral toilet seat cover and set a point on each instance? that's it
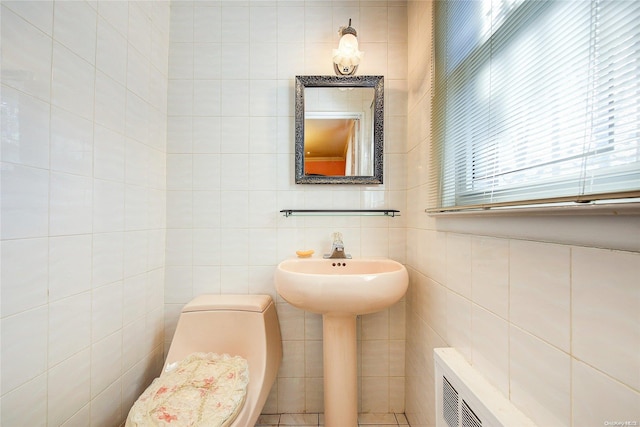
(204, 389)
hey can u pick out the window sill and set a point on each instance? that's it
(575, 209)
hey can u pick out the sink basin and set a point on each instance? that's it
(341, 289)
(348, 286)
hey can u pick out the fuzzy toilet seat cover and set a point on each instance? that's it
(203, 389)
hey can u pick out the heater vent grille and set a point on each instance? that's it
(469, 418)
(449, 403)
(455, 411)
(464, 398)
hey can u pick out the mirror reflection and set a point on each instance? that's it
(339, 129)
(337, 144)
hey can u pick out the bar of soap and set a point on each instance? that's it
(305, 254)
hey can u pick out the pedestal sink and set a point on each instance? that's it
(341, 289)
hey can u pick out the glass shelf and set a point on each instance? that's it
(340, 212)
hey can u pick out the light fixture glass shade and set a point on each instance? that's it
(346, 57)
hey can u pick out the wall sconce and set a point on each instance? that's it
(346, 57)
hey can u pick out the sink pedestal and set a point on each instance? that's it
(340, 370)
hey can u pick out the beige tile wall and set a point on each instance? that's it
(84, 185)
(545, 308)
(230, 170)
(83, 208)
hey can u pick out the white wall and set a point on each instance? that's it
(230, 170)
(84, 179)
(546, 308)
(83, 208)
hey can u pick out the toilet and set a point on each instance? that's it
(229, 326)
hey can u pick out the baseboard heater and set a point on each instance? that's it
(465, 399)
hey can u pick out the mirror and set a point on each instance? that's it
(339, 129)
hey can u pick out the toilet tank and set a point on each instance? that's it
(243, 325)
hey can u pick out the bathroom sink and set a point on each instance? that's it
(341, 286)
(341, 289)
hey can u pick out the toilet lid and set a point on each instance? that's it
(204, 389)
(209, 302)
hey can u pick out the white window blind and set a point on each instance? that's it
(535, 102)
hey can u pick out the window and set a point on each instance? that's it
(535, 102)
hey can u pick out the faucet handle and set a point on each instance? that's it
(337, 236)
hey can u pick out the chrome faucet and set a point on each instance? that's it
(337, 248)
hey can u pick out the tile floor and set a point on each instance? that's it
(304, 420)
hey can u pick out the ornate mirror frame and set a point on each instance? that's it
(375, 82)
